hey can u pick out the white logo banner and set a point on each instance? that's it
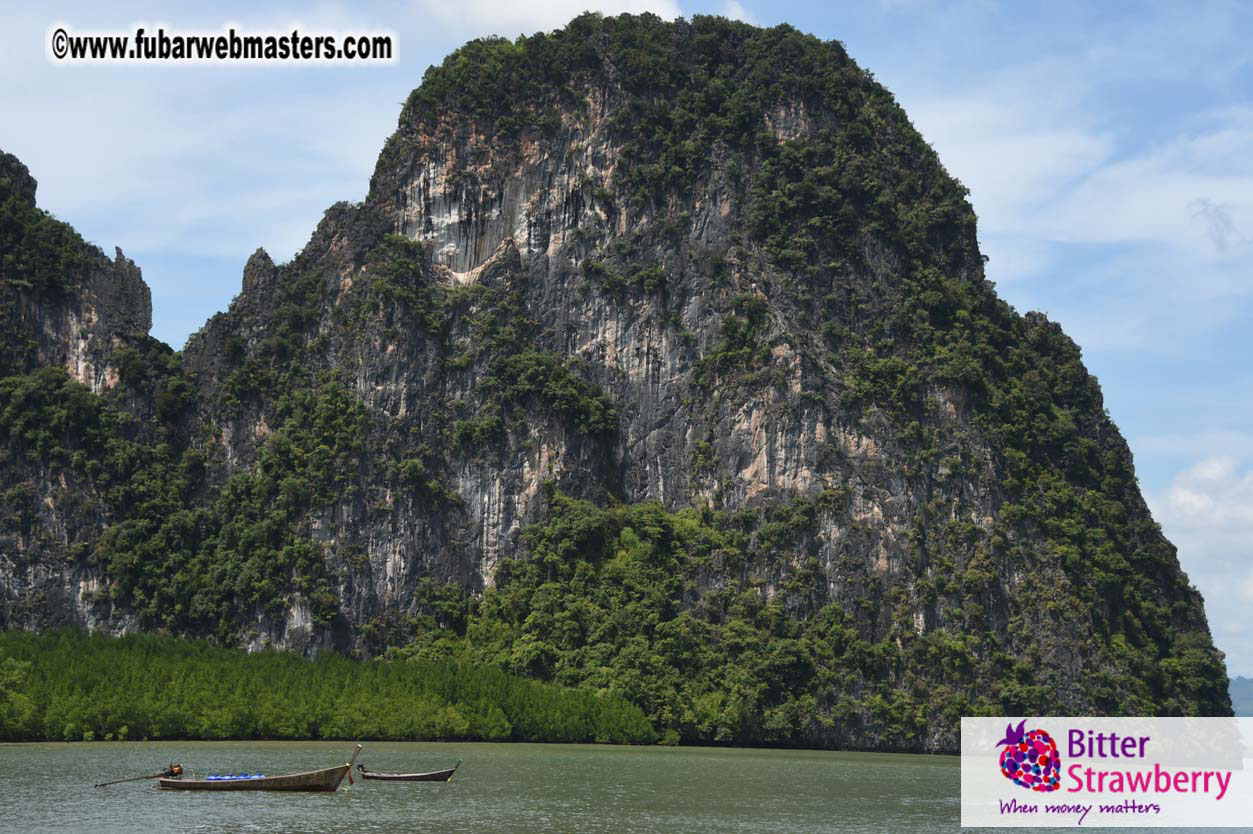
(1106, 772)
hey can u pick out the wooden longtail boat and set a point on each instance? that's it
(429, 776)
(327, 779)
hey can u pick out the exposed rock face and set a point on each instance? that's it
(63, 305)
(761, 298)
(539, 210)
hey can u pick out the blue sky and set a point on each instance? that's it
(1108, 148)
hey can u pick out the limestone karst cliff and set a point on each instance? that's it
(66, 303)
(659, 358)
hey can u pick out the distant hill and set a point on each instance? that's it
(1242, 696)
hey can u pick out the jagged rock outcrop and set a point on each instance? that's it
(698, 264)
(68, 306)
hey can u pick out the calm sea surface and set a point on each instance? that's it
(500, 788)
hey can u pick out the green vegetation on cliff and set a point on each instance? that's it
(618, 599)
(37, 251)
(611, 598)
(67, 686)
(177, 559)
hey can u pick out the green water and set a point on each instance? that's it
(500, 788)
(47, 788)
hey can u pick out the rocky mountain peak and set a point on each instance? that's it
(660, 357)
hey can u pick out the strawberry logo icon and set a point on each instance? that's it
(1030, 759)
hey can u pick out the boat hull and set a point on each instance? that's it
(327, 780)
(432, 776)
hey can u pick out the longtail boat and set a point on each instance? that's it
(327, 779)
(429, 776)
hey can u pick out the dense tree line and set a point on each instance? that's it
(66, 685)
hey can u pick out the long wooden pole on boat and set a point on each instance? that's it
(132, 779)
(350, 761)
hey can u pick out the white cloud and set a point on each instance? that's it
(735, 11)
(183, 182)
(1152, 196)
(1214, 498)
(1042, 165)
(510, 18)
(1105, 194)
(1015, 159)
